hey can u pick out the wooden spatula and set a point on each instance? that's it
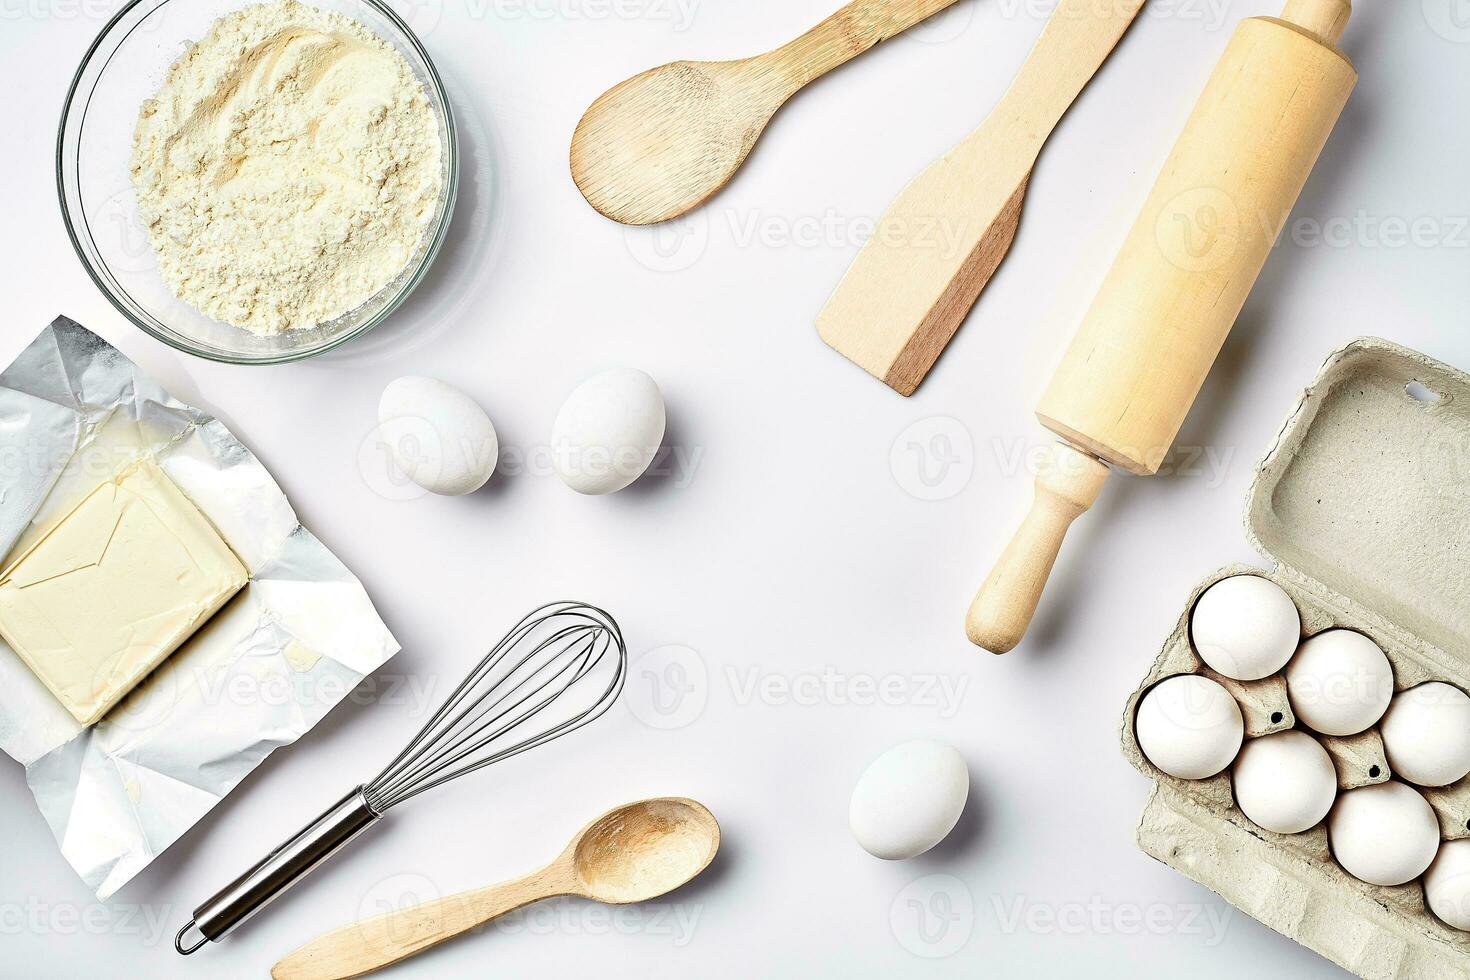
(662, 143)
(909, 288)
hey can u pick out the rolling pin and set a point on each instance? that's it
(1141, 354)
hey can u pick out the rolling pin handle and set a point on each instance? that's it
(1325, 18)
(1066, 486)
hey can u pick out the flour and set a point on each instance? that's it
(287, 169)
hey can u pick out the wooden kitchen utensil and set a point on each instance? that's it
(1176, 288)
(662, 143)
(632, 854)
(915, 280)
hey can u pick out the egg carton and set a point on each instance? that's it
(1363, 504)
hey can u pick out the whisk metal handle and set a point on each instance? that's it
(279, 870)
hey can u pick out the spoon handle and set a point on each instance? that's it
(848, 33)
(362, 947)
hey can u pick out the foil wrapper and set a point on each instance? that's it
(258, 675)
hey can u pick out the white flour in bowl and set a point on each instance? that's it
(287, 169)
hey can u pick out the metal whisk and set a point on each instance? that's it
(559, 668)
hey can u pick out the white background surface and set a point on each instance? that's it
(788, 547)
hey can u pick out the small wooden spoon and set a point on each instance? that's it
(632, 854)
(662, 143)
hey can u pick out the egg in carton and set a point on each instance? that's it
(1363, 503)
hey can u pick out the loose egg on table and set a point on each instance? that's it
(1447, 884)
(1385, 834)
(1285, 783)
(1189, 726)
(1245, 627)
(909, 799)
(437, 435)
(1426, 734)
(1340, 683)
(608, 431)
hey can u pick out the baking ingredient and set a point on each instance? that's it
(661, 143)
(1385, 834)
(1426, 733)
(1189, 726)
(608, 431)
(1340, 683)
(1245, 627)
(1284, 782)
(114, 587)
(635, 853)
(1181, 278)
(437, 435)
(287, 169)
(1447, 884)
(909, 799)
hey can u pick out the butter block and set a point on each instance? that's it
(113, 588)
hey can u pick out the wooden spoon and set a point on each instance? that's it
(632, 854)
(662, 143)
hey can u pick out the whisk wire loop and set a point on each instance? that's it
(557, 656)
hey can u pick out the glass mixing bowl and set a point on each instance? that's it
(127, 64)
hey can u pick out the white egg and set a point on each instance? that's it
(1427, 734)
(1189, 726)
(1340, 683)
(438, 437)
(1285, 783)
(1447, 884)
(909, 799)
(608, 431)
(1245, 627)
(1385, 834)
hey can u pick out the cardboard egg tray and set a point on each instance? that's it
(1363, 503)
